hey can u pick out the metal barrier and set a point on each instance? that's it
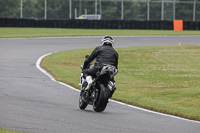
(97, 24)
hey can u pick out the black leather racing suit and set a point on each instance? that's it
(104, 55)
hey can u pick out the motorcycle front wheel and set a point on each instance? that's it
(82, 103)
(101, 99)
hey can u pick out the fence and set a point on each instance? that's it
(152, 10)
(97, 24)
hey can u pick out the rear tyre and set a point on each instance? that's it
(101, 100)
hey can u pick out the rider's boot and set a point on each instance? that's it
(112, 92)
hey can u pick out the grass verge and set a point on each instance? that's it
(160, 78)
(8, 131)
(58, 32)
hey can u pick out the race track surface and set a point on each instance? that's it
(31, 101)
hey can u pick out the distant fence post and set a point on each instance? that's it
(70, 9)
(194, 10)
(174, 10)
(100, 8)
(162, 10)
(45, 9)
(95, 7)
(148, 9)
(122, 10)
(21, 9)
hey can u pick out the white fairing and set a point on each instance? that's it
(89, 80)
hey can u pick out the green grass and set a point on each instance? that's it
(161, 78)
(56, 32)
(8, 131)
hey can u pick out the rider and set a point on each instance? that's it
(104, 54)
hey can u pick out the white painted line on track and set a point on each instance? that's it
(121, 103)
(41, 69)
(49, 75)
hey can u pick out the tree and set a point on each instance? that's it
(58, 9)
(10, 8)
(33, 9)
(110, 9)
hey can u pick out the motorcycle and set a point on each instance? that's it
(101, 89)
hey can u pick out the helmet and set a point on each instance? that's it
(107, 40)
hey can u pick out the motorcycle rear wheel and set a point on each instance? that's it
(101, 100)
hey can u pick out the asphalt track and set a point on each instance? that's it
(31, 101)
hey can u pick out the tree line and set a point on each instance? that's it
(109, 9)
